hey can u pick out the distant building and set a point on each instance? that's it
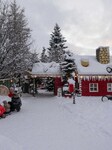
(93, 74)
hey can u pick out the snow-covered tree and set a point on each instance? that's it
(15, 40)
(4, 40)
(68, 66)
(50, 84)
(19, 38)
(31, 59)
(44, 57)
(57, 45)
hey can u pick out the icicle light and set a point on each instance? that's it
(95, 77)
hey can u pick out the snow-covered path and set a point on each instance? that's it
(54, 123)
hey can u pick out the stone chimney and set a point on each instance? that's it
(103, 55)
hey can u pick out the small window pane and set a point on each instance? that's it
(109, 87)
(93, 87)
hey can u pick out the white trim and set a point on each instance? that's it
(93, 87)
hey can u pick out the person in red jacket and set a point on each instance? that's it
(11, 92)
(2, 112)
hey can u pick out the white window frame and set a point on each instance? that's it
(92, 85)
(109, 87)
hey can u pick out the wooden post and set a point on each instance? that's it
(34, 87)
(74, 97)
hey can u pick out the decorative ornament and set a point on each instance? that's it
(109, 69)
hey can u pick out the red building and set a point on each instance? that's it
(94, 73)
(96, 85)
(93, 76)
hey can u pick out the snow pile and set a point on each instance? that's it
(46, 122)
(52, 68)
(71, 81)
(94, 66)
(8, 144)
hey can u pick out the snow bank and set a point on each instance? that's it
(46, 122)
(8, 144)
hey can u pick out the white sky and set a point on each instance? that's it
(85, 24)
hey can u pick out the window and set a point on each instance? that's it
(93, 87)
(109, 87)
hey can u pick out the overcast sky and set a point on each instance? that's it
(86, 24)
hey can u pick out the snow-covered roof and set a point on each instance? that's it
(46, 69)
(94, 67)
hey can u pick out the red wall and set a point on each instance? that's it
(102, 85)
(57, 84)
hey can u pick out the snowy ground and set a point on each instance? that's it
(55, 123)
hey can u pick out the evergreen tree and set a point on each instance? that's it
(32, 58)
(19, 38)
(50, 84)
(15, 41)
(57, 45)
(44, 57)
(4, 41)
(68, 66)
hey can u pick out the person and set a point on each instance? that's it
(15, 102)
(2, 111)
(11, 92)
(7, 107)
